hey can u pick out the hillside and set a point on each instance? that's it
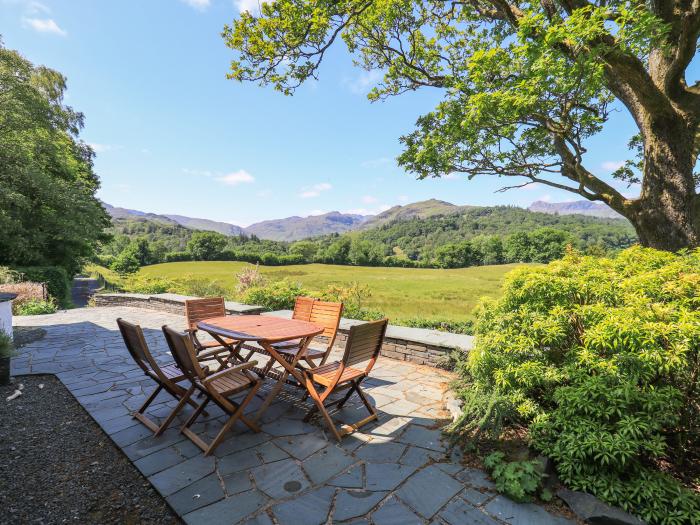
(416, 237)
(296, 228)
(415, 210)
(287, 229)
(590, 208)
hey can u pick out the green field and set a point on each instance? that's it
(399, 292)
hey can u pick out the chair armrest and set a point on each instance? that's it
(222, 373)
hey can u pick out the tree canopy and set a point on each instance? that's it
(48, 211)
(526, 84)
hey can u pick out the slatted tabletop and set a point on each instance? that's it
(259, 328)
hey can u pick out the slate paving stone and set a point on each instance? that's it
(240, 441)
(301, 447)
(522, 514)
(353, 504)
(287, 427)
(131, 435)
(476, 478)
(393, 512)
(308, 509)
(280, 479)
(418, 456)
(228, 511)
(326, 463)
(115, 425)
(459, 512)
(261, 519)
(420, 493)
(238, 461)
(158, 461)
(183, 474)
(237, 482)
(386, 476)
(450, 468)
(152, 444)
(475, 497)
(270, 452)
(423, 437)
(381, 452)
(199, 494)
(352, 479)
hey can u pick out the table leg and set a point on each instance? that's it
(289, 369)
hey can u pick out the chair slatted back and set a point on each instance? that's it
(364, 343)
(327, 315)
(184, 353)
(200, 309)
(136, 345)
(302, 308)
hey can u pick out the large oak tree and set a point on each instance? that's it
(526, 84)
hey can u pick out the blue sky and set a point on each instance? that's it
(173, 135)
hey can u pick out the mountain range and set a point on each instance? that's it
(295, 228)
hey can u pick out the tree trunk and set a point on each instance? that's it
(667, 214)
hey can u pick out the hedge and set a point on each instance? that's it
(56, 278)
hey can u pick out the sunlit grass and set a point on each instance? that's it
(399, 292)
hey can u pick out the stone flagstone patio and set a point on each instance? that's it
(396, 471)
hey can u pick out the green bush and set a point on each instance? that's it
(600, 359)
(352, 295)
(150, 285)
(56, 278)
(35, 307)
(278, 295)
(444, 325)
(519, 480)
(7, 347)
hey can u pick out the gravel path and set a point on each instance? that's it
(58, 466)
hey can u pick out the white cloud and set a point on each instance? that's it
(315, 190)
(368, 199)
(252, 6)
(198, 4)
(612, 165)
(545, 198)
(318, 212)
(404, 198)
(364, 82)
(44, 25)
(236, 177)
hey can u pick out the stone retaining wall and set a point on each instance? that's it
(417, 345)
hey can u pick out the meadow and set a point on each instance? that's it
(398, 292)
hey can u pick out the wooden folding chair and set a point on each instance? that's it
(363, 346)
(166, 377)
(198, 310)
(322, 313)
(217, 387)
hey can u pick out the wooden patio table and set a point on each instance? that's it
(266, 330)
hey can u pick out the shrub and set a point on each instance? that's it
(150, 285)
(6, 345)
(26, 292)
(352, 295)
(249, 277)
(600, 359)
(278, 295)
(200, 287)
(519, 480)
(177, 257)
(444, 325)
(35, 307)
(56, 279)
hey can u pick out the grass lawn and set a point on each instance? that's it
(399, 292)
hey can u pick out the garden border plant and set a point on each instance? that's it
(599, 360)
